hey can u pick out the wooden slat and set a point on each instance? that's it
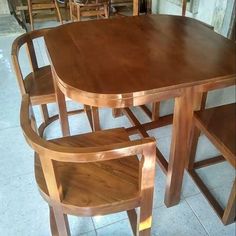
(155, 110)
(134, 121)
(163, 121)
(207, 194)
(229, 213)
(154, 114)
(43, 6)
(146, 111)
(207, 162)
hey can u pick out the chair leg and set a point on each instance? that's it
(116, 112)
(193, 147)
(59, 222)
(78, 13)
(155, 110)
(58, 11)
(44, 113)
(71, 10)
(30, 14)
(204, 99)
(106, 10)
(88, 112)
(144, 222)
(141, 226)
(53, 224)
(95, 118)
(133, 220)
(230, 210)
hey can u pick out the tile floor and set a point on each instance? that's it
(23, 212)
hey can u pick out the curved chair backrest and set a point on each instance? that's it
(52, 151)
(27, 40)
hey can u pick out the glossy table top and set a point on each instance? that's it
(138, 55)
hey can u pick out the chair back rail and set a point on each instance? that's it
(19, 42)
(78, 154)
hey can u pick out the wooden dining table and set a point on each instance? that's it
(132, 61)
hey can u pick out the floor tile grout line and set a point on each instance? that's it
(111, 223)
(198, 217)
(192, 195)
(210, 188)
(93, 224)
(85, 233)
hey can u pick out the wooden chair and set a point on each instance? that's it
(219, 125)
(39, 82)
(92, 174)
(42, 5)
(88, 8)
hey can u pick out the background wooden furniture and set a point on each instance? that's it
(143, 68)
(88, 9)
(43, 5)
(219, 125)
(93, 174)
(39, 82)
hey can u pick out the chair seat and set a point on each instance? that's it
(40, 86)
(89, 187)
(219, 124)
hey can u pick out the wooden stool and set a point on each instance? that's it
(88, 8)
(93, 174)
(33, 6)
(219, 125)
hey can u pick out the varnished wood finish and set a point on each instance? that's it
(219, 125)
(163, 121)
(39, 5)
(229, 215)
(39, 82)
(93, 117)
(93, 174)
(143, 133)
(135, 7)
(155, 113)
(152, 58)
(184, 6)
(88, 9)
(207, 162)
(145, 71)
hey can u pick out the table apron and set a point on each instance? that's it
(106, 100)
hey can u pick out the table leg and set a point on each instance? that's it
(95, 118)
(179, 153)
(117, 112)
